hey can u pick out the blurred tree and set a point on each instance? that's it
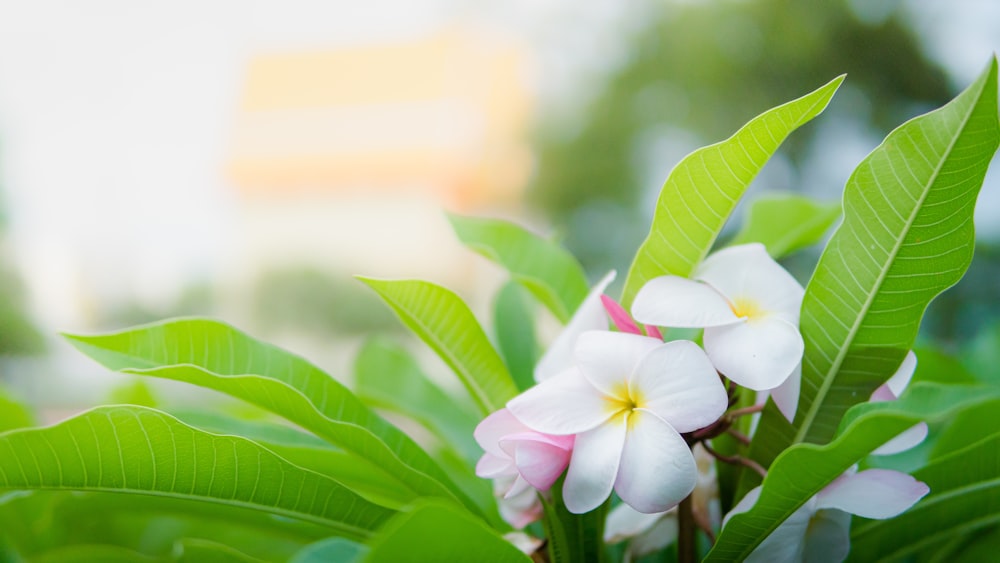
(702, 70)
(18, 335)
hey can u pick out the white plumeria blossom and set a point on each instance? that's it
(890, 391)
(589, 315)
(748, 305)
(819, 531)
(628, 398)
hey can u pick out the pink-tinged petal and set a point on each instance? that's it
(677, 382)
(899, 380)
(618, 316)
(908, 439)
(872, 493)
(491, 466)
(882, 394)
(759, 354)
(588, 316)
(494, 427)
(786, 395)
(680, 302)
(653, 332)
(747, 272)
(521, 509)
(625, 522)
(564, 404)
(657, 469)
(828, 538)
(594, 466)
(787, 542)
(607, 359)
(540, 463)
(518, 487)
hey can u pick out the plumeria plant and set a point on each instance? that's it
(717, 408)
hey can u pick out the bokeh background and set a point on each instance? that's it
(242, 159)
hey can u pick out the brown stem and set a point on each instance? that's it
(746, 410)
(735, 459)
(743, 438)
(685, 531)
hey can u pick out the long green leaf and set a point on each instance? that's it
(332, 549)
(514, 327)
(198, 550)
(216, 356)
(786, 222)
(543, 267)
(703, 189)
(433, 532)
(804, 469)
(443, 321)
(965, 496)
(907, 235)
(93, 553)
(141, 450)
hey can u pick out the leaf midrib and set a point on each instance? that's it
(829, 376)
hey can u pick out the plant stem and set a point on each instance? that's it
(735, 459)
(746, 410)
(686, 531)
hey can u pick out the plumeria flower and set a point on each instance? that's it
(819, 531)
(890, 391)
(519, 509)
(748, 305)
(588, 316)
(627, 399)
(648, 533)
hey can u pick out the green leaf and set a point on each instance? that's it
(968, 427)
(786, 222)
(216, 356)
(13, 414)
(444, 322)
(804, 469)
(387, 377)
(965, 496)
(573, 537)
(907, 235)
(543, 267)
(93, 554)
(514, 326)
(144, 451)
(332, 549)
(434, 532)
(197, 550)
(703, 189)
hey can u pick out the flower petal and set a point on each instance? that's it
(540, 463)
(518, 487)
(899, 380)
(748, 272)
(828, 539)
(625, 522)
(759, 354)
(872, 493)
(787, 542)
(907, 439)
(491, 466)
(521, 509)
(494, 427)
(588, 316)
(622, 320)
(677, 382)
(662, 534)
(607, 359)
(564, 404)
(594, 466)
(657, 469)
(786, 395)
(680, 302)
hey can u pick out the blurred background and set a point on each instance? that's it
(244, 159)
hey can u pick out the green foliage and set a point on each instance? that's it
(704, 188)
(333, 549)
(143, 451)
(787, 222)
(13, 414)
(907, 236)
(444, 322)
(514, 326)
(573, 537)
(543, 267)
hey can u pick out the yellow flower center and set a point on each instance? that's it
(622, 401)
(743, 307)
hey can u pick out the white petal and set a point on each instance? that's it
(491, 466)
(657, 469)
(607, 358)
(494, 427)
(540, 463)
(564, 404)
(625, 522)
(677, 382)
(908, 439)
(662, 534)
(518, 487)
(828, 539)
(873, 493)
(680, 302)
(748, 272)
(745, 504)
(759, 354)
(899, 380)
(594, 466)
(786, 395)
(521, 509)
(588, 316)
(787, 542)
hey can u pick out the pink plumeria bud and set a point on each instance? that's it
(890, 391)
(748, 305)
(531, 459)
